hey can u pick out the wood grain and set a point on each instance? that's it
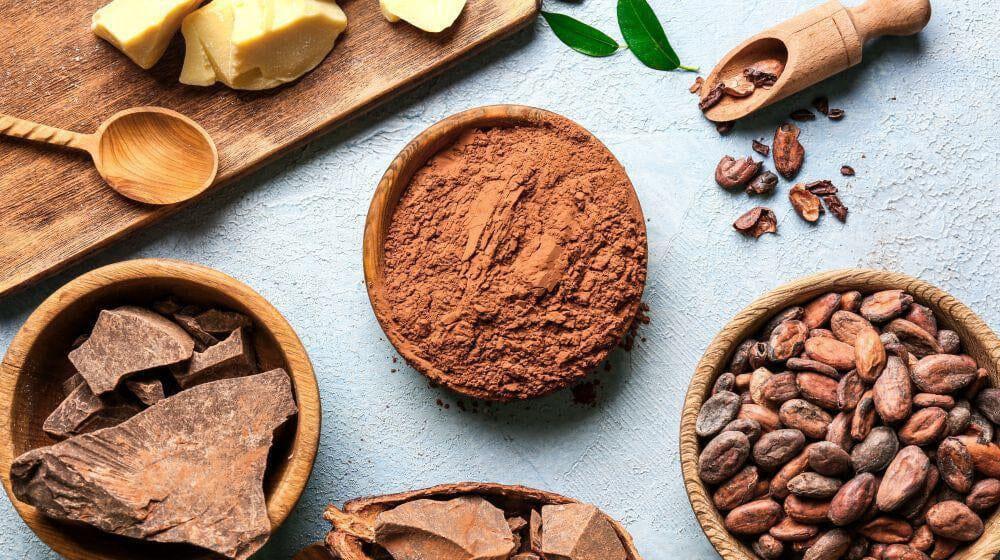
(355, 524)
(54, 208)
(315, 551)
(978, 340)
(814, 45)
(35, 366)
(391, 188)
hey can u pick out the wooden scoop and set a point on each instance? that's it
(315, 551)
(148, 154)
(812, 47)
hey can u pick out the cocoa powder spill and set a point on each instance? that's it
(516, 259)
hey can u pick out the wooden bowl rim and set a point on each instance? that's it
(305, 444)
(411, 158)
(752, 317)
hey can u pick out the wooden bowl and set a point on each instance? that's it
(391, 188)
(978, 340)
(36, 364)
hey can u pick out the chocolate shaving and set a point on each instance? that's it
(713, 97)
(761, 148)
(836, 207)
(757, 222)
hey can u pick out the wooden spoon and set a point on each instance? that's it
(148, 154)
(812, 47)
(315, 551)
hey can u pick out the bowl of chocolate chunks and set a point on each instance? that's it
(475, 520)
(847, 415)
(156, 409)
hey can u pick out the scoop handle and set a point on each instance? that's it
(21, 128)
(876, 18)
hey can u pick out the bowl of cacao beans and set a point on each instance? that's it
(851, 414)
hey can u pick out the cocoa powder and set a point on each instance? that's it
(516, 259)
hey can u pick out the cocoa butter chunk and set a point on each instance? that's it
(83, 411)
(145, 479)
(129, 340)
(579, 532)
(463, 528)
(221, 323)
(147, 389)
(232, 357)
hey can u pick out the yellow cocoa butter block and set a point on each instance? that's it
(141, 29)
(430, 15)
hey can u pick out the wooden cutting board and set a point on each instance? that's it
(54, 208)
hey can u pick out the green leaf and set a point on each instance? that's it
(645, 37)
(581, 37)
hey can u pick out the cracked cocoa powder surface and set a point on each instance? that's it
(516, 260)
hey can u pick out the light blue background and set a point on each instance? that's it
(921, 130)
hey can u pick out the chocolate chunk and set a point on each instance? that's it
(82, 411)
(189, 469)
(203, 338)
(535, 532)
(232, 357)
(464, 528)
(125, 341)
(221, 323)
(71, 383)
(579, 532)
(148, 389)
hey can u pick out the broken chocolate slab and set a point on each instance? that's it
(128, 340)
(463, 528)
(233, 357)
(147, 388)
(82, 411)
(220, 323)
(188, 469)
(72, 382)
(579, 532)
(203, 338)
(535, 531)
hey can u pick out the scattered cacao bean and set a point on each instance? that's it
(757, 222)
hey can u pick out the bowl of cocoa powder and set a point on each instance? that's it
(505, 252)
(848, 414)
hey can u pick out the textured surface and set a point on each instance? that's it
(923, 202)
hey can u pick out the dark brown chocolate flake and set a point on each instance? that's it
(836, 207)
(146, 388)
(144, 479)
(128, 340)
(802, 115)
(761, 148)
(441, 529)
(760, 78)
(725, 127)
(232, 357)
(220, 323)
(821, 188)
(788, 153)
(712, 97)
(763, 183)
(82, 411)
(757, 222)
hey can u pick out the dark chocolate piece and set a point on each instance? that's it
(232, 357)
(82, 411)
(125, 341)
(457, 529)
(579, 532)
(221, 323)
(147, 388)
(188, 469)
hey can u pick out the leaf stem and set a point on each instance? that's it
(689, 68)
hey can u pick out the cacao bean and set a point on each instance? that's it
(790, 314)
(955, 464)
(943, 548)
(749, 427)
(768, 547)
(732, 173)
(985, 456)
(787, 152)
(876, 451)
(917, 341)
(821, 333)
(913, 508)
(719, 410)
(988, 403)
(780, 388)
(926, 426)
(984, 495)
(829, 459)
(903, 552)
(853, 499)
(903, 478)
(981, 426)
(725, 382)
(723, 456)
(949, 342)
(923, 317)
(839, 431)
(818, 311)
(813, 485)
(787, 340)
(758, 355)
(768, 419)
(869, 355)
(958, 420)
(858, 549)
(892, 392)
(831, 352)
(864, 417)
(886, 305)
(851, 301)
(805, 417)
(753, 518)
(954, 520)
(923, 538)
(832, 545)
(943, 373)
(790, 530)
(804, 510)
(805, 364)
(927, 400)
(778, 447)
(738, 490)
(757, 380)
(846, 326)
(818, 389)
(887, 530)
(849, 391)
(793, 468)
(740, 362)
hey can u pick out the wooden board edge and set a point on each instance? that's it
(16, 282)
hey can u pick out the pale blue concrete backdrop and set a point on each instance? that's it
(921, 130)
